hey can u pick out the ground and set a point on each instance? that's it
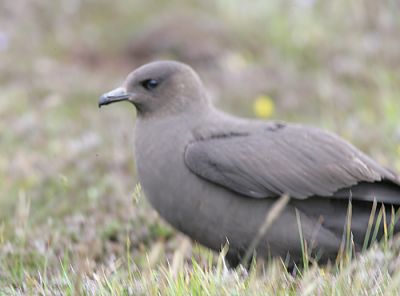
(73, 219)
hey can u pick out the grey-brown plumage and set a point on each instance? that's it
(215, 177)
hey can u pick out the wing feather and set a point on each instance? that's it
(297, 160)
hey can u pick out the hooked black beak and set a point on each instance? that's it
(116, 95)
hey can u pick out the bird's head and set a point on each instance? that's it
(160, 87)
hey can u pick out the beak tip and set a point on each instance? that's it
(116, 95)
(103, 100)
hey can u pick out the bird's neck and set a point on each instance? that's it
(177, 111)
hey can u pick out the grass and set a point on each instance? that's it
(373, 273)
(72, 221)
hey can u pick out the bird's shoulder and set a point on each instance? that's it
(233, 128)
(226, 126)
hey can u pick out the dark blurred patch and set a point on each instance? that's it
(188, 36)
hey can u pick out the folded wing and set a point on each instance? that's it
(297, 160)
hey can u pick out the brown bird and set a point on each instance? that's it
(215, 177)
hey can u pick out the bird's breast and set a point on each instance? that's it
(164, 177)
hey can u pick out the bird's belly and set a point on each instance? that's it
(211, 214)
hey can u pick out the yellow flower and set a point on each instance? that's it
(263, 106)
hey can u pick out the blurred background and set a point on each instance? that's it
(67, 171)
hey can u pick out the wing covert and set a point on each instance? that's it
(297, 160)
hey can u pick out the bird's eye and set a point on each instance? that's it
(149, 84)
